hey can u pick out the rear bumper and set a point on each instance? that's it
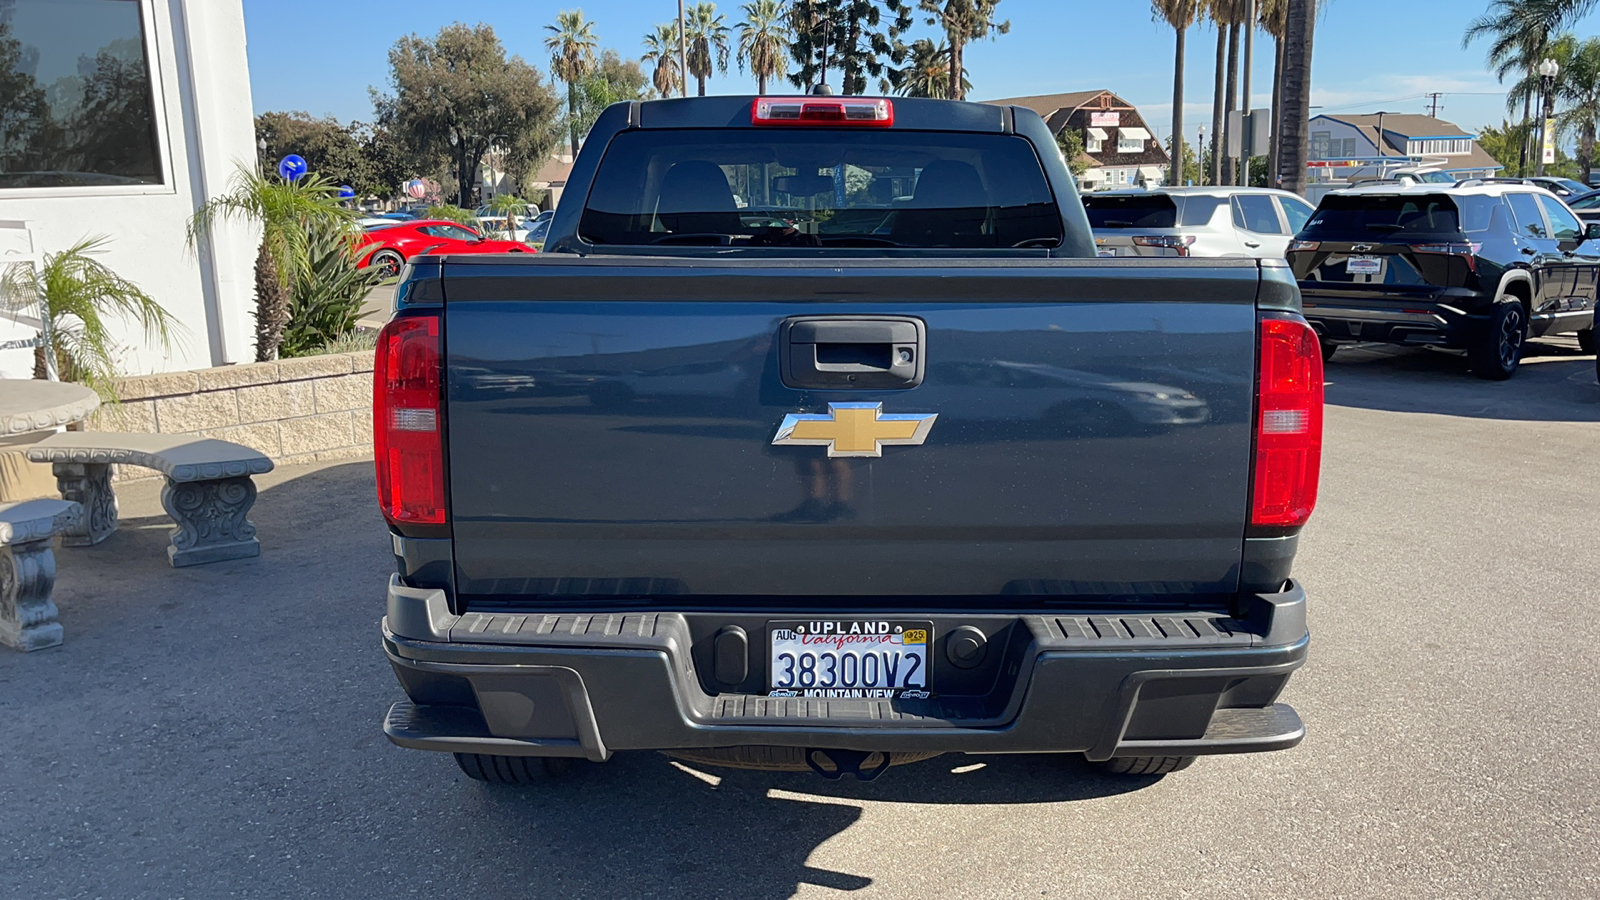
(1443, 319)
(1113, 684)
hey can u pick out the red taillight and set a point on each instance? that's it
(821, 111)
(1288, 425)
(407, 391)
(1303, 245)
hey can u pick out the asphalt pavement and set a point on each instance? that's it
(214, 732)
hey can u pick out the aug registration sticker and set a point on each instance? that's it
(849, 659)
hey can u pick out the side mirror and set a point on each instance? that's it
(1591, 231)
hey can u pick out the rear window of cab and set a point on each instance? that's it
(820, 187)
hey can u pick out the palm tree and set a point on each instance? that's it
(1519, 34)
(763, 41)
(925, 74)
(1226, 15)
(1180, 14)
(75, 295)
(286, 211)
(963, 21)
(1273, 14)
(661, 50)
(1300, 20)
(708, 43)
(571, 43)
(1579, 93)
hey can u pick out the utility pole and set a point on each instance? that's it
(1433, 103)
(683, 51)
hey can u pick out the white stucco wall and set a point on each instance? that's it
(202, 91)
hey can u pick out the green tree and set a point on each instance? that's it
(858, 38)
(1180, 14)
(1505, 144)
(613, 80)
(661, 54)
(456, 95)
(963, 22)
(1578, 94)
(763, 41)
(1071, 144)
(1194, 171)
(287, 212)
(708, 42)
(1226, 15)
(926, 72)
(75, 295)
(329, 148)
(571, 44)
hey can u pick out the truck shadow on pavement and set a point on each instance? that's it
(1555, 383)
(646, 825)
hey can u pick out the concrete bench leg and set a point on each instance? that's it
(88, 484)
(27, 614)
(211, 520)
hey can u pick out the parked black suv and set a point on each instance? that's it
(1477, 268)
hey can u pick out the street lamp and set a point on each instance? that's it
(1548, 70)
(1200, 152)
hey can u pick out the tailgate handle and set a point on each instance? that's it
(864, 353)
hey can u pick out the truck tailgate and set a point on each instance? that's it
(610, 427)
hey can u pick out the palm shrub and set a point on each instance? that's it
(327, 293)
(511, 208)
(76, 294)
(287, 212)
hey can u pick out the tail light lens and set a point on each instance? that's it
(1178, 242)
(1467, 251)
(407, 395)
(1288, 425)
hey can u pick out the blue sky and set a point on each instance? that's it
(1369, 54)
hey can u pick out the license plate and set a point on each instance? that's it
(1364, 265)
(849, 659)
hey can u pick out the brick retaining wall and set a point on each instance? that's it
(309, 409)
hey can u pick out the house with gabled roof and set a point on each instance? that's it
(1342, 145)
(1117, 143)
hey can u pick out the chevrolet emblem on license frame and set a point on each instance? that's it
(854, 429)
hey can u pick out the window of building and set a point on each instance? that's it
(1320, 141)
(78, 102)
(1127, 144)
(1093, 139)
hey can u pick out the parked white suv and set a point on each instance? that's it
(1196, 221)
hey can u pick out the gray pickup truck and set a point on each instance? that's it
(820, 439)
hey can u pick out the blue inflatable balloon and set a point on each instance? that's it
(347, 193)
(291, 168)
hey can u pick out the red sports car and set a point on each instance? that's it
(389, 246)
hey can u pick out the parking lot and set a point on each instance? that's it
(214, 732)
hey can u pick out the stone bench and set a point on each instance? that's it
(28, 570)
(208, 492)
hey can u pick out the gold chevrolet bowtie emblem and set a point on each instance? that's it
(854, 429)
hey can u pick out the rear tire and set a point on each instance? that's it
(1328, 349)
(1145, 765)
(1586, 341)
(1499, 352)
(492, 769)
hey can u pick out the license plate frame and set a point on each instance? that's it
(1364, 265)
(898, 662)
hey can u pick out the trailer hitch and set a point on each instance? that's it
(847, 762)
